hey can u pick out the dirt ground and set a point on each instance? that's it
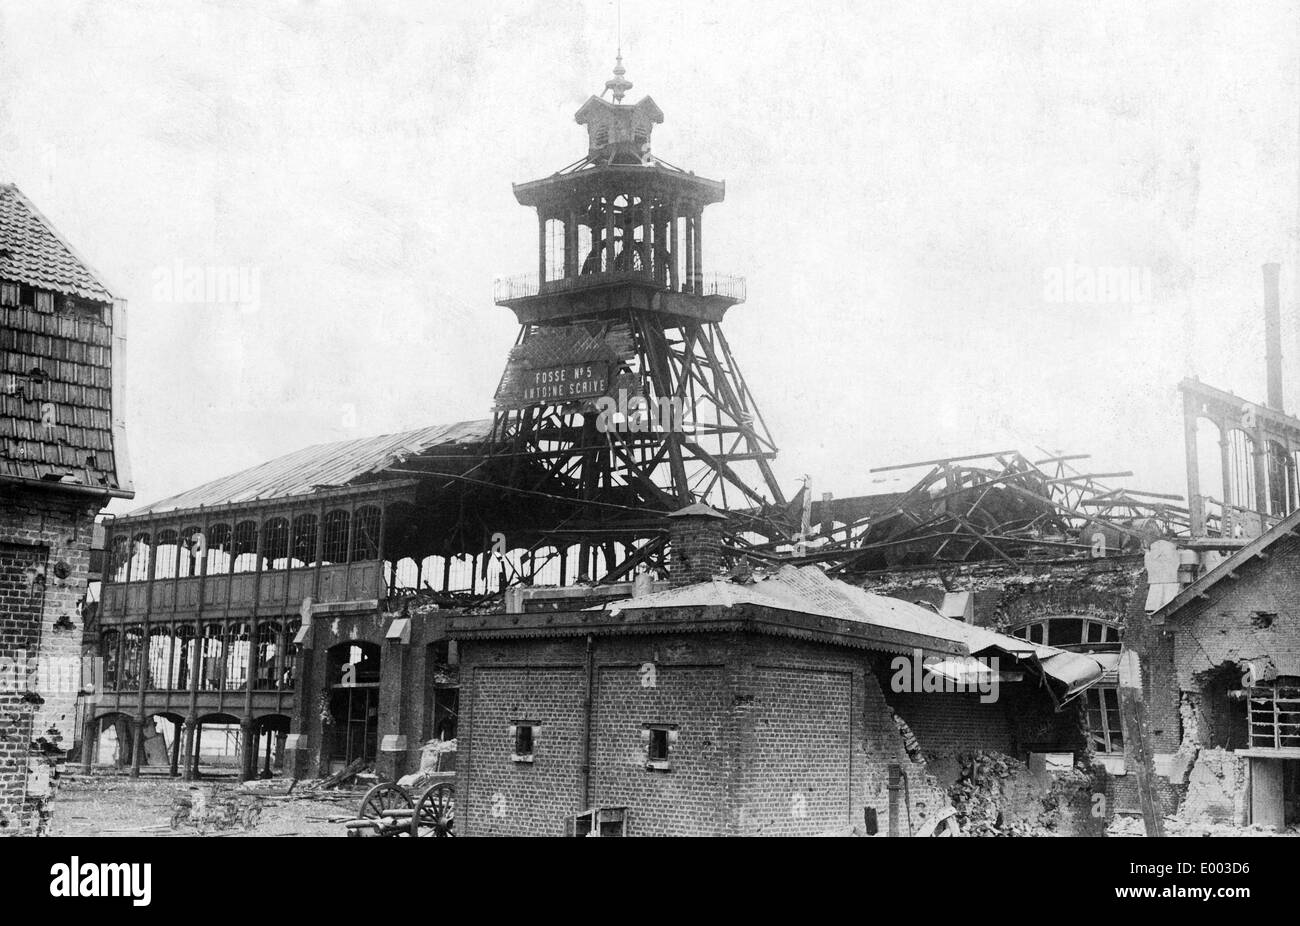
(116, 805)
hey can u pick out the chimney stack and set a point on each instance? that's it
(1273, 336)
(695, 544)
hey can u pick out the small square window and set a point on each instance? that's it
(525, 735)
(658, 750)
(659, 739)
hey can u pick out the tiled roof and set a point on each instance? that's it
(56, 382)
(320, 466)
(33, 252)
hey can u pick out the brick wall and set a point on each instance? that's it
(683, 800)
(694, 548)
(524, 798)
(774, 735)
(949, 722)
(44, 556)
(798, 770)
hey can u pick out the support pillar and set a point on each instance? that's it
(89, 740)
(674, 274)
(541, 248)
(698, 242)
(1195, 501)
(570, 252)
(247, 749)
(609, 234)
(177, 735)
(197, 752)
(137, 745)
(266, 766)
(1225, 466)
(689, 283)
(187, 747)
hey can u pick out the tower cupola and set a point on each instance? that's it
(619, 133)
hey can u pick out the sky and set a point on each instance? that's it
(919, 194)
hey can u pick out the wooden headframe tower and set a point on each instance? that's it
(621, 389)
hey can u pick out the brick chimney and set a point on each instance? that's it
(695, 544)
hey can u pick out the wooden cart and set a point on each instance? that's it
(388, 809)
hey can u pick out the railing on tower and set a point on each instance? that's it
(526, 285)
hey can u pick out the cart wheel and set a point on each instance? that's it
(436, 813)
(384, 796)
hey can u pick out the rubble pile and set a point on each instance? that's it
(996, 795)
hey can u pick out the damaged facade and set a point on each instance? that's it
(776, 704)
(62, 457)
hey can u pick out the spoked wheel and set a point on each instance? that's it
(435, 815)
(384, 796)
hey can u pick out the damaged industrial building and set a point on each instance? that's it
(598, 613)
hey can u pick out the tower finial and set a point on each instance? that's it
(619, 85)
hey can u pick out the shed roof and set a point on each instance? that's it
(320, 466)
(809, 590)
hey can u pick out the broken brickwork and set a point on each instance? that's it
(44, 556)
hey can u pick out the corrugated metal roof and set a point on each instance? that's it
(808, 590)
(320, 466)
(33, 252)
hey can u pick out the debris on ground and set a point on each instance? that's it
(1132, 825)
(997, 795)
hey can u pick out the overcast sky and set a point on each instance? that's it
(904, 181)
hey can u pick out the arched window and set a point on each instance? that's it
(365, 531)
(219, 550)
(304, 540)
(211, 657)
(119, 558)
(109, 646)
(1075, 632)
(243, 546)
(132, 643)
(275, 543)
(237, 653)
(166, 555)
(1281, 480)
(182, 657)
(141, 555)
(336, 536)
(191, 541)
(159, 658)
(269, 651)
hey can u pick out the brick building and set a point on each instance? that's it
(1076, 604)
(62, 457)
(722, 707)
(1221, 678)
